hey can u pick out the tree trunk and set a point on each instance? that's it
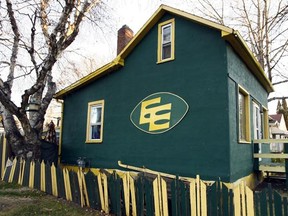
(13, 136)
(28, 146)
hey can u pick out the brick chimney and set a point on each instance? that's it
(125, 34)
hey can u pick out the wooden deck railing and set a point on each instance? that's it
(261, 159)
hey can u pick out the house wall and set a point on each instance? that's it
(241, 163)
(199, 144)
(282, 125)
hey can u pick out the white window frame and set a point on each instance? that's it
(89, 138)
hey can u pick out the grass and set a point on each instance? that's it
(17, 200)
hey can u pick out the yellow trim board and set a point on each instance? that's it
(228, 34)
(88, 126)
(241, 48)
(116, 63)
(170, 22)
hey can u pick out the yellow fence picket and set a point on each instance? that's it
(193, 206)
(54, 180)
(43, 177)
(86, 197)
(243, 198)
(237, 204)
(160, 196)
(157, 201)
(133, 195)
(126, 191)
(203, 199)
(106, 198)
(103, 192)
(21, 172)
(164, 197)
(11, 176)
(250, 201)
(67, 184)
(82, 201)
(32, 174)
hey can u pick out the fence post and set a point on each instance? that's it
(255, 147)
(286, 163)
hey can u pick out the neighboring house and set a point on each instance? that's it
(278, 130)
(186, 96)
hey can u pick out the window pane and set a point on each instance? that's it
(166, 34)
(166, 52)
(95, 115)
(95, 131)
(242, 117)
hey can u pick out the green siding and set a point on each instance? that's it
(241, 163)
(199, 144)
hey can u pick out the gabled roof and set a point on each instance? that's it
(276, 117)
(228, 34)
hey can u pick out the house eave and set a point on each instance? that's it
(115, 64)
(241, 48)
(228, 34)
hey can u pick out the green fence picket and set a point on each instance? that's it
(1, 152)
(175, 197)
(256, 203)
(184, 198)
(270, 199)
(211, 200)
(60, 182)
(93, 190)
(263, 203)
(231, 202)
(16, 172)
(277, 204)
(225, 200)
(26, 175)
(75, 190)
(148, 198)
(48, 179)
(7, 173)
(285, 206)
(220, 199)
(114, 189)
(37, 176)
(139, 189)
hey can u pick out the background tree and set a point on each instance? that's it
(33, 37)
(264, 26)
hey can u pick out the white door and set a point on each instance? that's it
(257, 124)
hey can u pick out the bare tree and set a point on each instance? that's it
(264, 25)
(52, 26)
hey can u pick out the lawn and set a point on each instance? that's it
(17, 200)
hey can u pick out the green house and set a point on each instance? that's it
(185, 96)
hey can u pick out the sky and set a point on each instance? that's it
(135, 13)
(100, 45)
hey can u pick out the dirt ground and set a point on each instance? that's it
(16, 200)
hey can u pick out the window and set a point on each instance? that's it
(94, 132)
(166, 41)
(244, 116)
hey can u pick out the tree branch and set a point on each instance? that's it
(15, 43)
(277, 98)
(280, 82)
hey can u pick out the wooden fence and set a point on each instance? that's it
(130, 193)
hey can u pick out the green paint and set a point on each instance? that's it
(159, 112)
(241, 163)
(203, 143)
